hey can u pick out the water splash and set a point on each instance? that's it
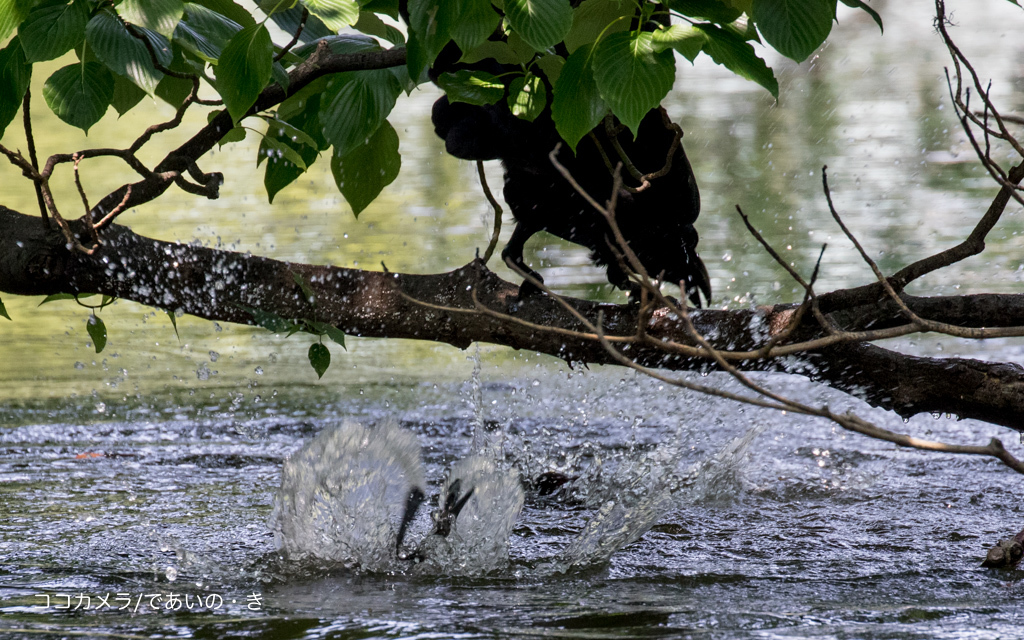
(342, 494)
(478, 541)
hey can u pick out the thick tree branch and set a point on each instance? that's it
(364, 303)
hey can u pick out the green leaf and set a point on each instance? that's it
(500, 51)
(124, 54)
(712, 10)
(336, 14)
(523, 50)
(173, 90)
(53, 28)
(329, 330)
(302, 112)
(687, 40)
(269, 321)
(126, 95)
(228, 9)
(551, 65)
(577, 106)
(244, 69)
(796, 28)
(594, 18)
(174, 323)
(79, 93)
(278, 150)
(476, 23)
(387, 7)
(286, 131)
(336, 335)
(97, 331)
(370, 24)
(430, 26)
(542, 23)
(54, 297)
(355, 104)
(632, 78)
(319, 358)
(857, 4)
(205, 32)
(527, 97)
(737, 55)
(3, 312)
(363, 173)
(472, 87)
(12, 12)
(15, 75)
(306, 289)
(160, 16)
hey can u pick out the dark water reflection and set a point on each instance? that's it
(819, 535)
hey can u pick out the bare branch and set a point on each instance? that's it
(496, 232)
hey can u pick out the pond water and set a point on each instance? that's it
(151, 468)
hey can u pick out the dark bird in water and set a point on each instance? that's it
(656, 206)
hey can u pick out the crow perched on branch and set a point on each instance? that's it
(655, 213)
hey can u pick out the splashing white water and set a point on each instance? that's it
(342, 494)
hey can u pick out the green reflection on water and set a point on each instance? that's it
(873, 108)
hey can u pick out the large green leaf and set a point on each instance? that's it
(173, 90)
(97, 331)
(126, 95)
(160, 16)
(53, 28)
(354, 105)
(477, 21)
(124, 54)
(387, 7)
(336, 14)
(542, 23)
(472, 87)
(737, 55)
(362, 173)
(631, 77)
(319, 358)
(301, 111)
(205, 32)
(594, 18)
(687, 40)
(577, 106)
(244, 69)
(527, 97)
(79, 93)
(796, 28)
(370, 24)
(12, 12)
(713, 10)
(15, 75)
(230, 9)
(430, 29)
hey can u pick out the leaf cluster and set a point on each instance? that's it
(581, 60)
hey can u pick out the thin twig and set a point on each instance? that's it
(27, 119)
(496, 231)
(295, 38)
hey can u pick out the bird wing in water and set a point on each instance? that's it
(479, 504)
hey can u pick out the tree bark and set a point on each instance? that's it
(218, 285)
